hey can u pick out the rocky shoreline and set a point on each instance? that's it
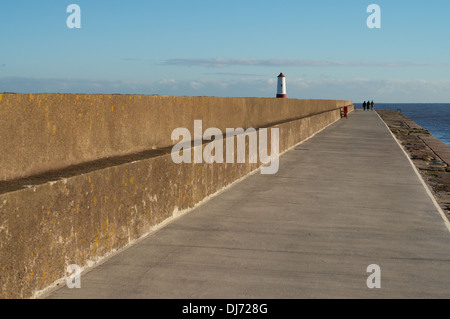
(430, 155)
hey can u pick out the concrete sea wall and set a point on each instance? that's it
(84, 175)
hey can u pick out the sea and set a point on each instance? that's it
(434, 117)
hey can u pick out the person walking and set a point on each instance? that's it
(364, 105)
(371, 105)
(368, 105)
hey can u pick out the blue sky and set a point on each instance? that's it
(229, 48)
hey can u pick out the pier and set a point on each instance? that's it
(342, 200)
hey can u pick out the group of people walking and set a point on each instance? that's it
(369, 105)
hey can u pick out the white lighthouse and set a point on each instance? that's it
(281, 89)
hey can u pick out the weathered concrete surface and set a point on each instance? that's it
(82, 216)
(430, 155)
(440, 148)
(343, 200)
(54, 131)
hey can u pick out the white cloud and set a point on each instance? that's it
(356, 89)
(167, 81)
(196, 85)
(223, 62)
(232, 74)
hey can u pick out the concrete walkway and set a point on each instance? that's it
(345, 199)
